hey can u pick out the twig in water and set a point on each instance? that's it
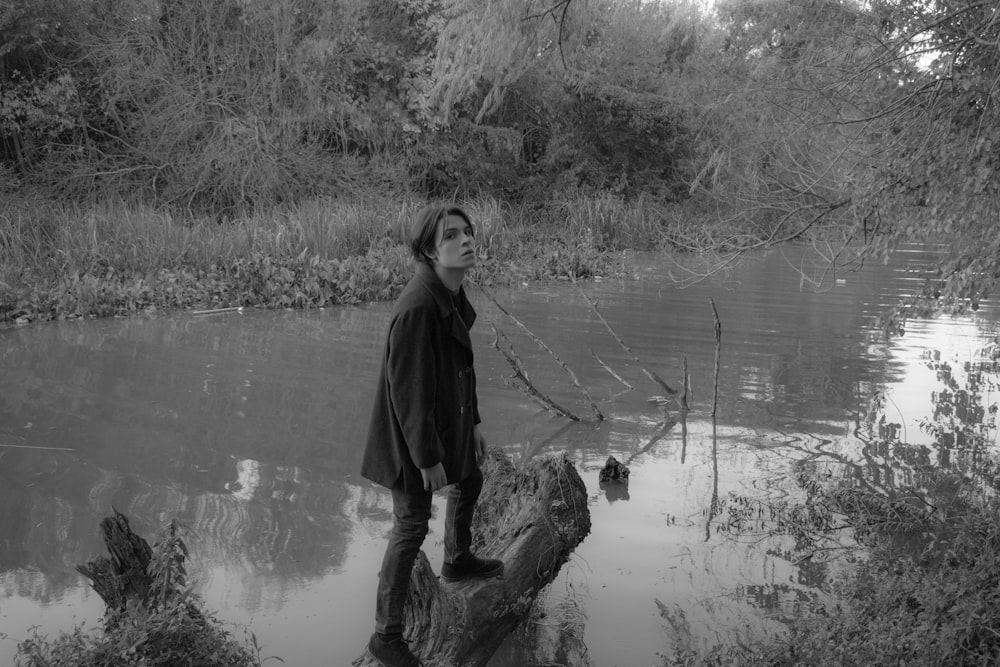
(608, 369)
(215, 311)
(49, 449)
(541, 344)
(522, 375)
(687, 395)
(670, 391)
(718, 351)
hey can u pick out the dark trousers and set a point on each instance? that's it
(411, 514)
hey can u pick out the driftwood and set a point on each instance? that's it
(613, 471)
(532, 519)
(125, 575)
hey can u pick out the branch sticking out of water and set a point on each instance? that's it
(526, 385)
(718, 352)
(688, 395)
(541, 344)
(609, 370)
(216, 311)
(668, 390)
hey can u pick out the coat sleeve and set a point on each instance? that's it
(411, 371)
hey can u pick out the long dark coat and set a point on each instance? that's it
(425, 402)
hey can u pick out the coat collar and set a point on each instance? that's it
(446, 303)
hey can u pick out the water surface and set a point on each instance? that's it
(248, 427)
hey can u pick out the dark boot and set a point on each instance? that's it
(471, 567)
(392, 652)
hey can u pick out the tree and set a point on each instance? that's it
(776, 157)
(221, 107)
(583, 85)
(39, 102)
(865, 124)
(940, 180)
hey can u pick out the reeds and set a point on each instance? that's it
(137, 239)
(116, 256)
(616, 224)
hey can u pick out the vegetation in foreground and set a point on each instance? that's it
(153, 618)
(927, 591)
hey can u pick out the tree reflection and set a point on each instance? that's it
(280, 523)
(896, 487)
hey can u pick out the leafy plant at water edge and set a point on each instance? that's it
(166, 636)
(927, 592)
(167, 627)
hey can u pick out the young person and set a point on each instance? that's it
(424, 431)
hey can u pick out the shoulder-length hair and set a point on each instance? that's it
(423, 229)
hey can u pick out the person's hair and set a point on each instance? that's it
(423, 229)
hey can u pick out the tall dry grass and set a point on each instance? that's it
(613, 223)
(67, 260)
(44, 237)
(38, 237)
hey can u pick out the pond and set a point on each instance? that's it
(248, 427)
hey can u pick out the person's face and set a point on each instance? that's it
(454, 244)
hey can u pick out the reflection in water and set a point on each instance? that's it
(713, 502)
(247, 428)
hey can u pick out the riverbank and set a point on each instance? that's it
(116, 259)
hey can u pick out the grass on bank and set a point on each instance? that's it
(64, 261)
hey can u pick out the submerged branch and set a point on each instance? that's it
(526, 384)
(572, 376)
(670, 391)
(718, 353)
(610, 370)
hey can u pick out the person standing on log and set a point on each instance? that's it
(424, 431)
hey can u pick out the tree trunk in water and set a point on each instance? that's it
(532, 519)
(125, 575)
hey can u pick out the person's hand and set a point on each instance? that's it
(434, 478)
(480, 444)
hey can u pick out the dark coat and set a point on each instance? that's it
(425, 402)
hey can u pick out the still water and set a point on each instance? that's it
(247, 427)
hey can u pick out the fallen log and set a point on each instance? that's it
(532, 519)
